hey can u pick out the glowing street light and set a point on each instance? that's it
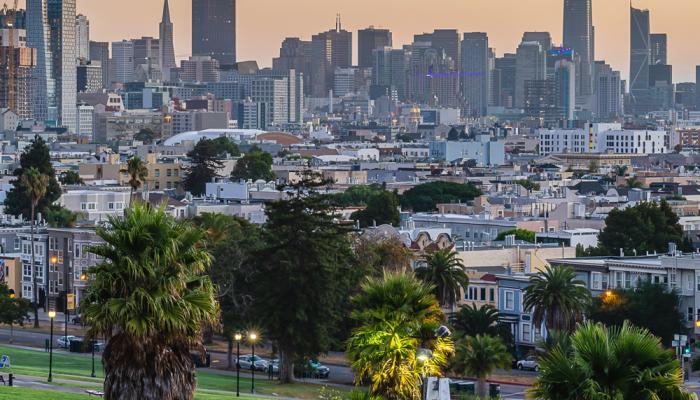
(52, 316)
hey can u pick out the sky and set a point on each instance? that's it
(263, 24)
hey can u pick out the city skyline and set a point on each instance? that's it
(257, 41)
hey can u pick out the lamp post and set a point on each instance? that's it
(252, 337)
(423, 356)
(238, 338)
(52, 315)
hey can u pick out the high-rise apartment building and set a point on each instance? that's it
(579, 35)
(608, 91)
(99, 52)
(329, 50)
(123, 61)
(214, 30)
(17, 62)
(199, 69)
(51, 31)
(530, 65)
(82, 37)
(89, 77)
(565, 78)
(474, 72)
(369, 40)
(167, 46)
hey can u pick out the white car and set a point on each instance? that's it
(252, 362)
(530, 363)
(64, 341)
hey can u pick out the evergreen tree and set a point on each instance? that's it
(205, 161)
(382, 208)
(255, 164)
(18, 201)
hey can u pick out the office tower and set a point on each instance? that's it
(543, 38)
(99, 52)
(82, 36)
(432, 77)
(494, 80)
(123, 61)
(540, 101)
(640, 54)
(530, 65)
(579, 36)
(199, 69)
(51, 31)
(565, 78)
(475, 72)
(146, 59)
(17, 62)
(214, 30)
(697, 87)
(661, 88)
(252, 114)
(273, 92)
(369, 40)
(329, 50)
(167, 46)
(89, 77)
(295, 54)
(390, 71)
(685, 95)
(561, 54)
(345, 81)
(506, 69)
(448, 41)
(608, 92)
(658, 44)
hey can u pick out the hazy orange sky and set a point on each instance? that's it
(262, 24)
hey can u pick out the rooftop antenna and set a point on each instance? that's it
(337, 23)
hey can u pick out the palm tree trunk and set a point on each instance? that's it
(286, 366)
(482, 388)
(34, 274)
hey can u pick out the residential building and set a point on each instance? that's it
(89, 77)
(484, 150)
(96, 205)
(17, 64)
(99, 52)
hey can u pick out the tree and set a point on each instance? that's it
(356, 195)
(396, 315)
(18, 202)
(425, 197)
(71, 178)
(382, 208)
(650, 306)
(254, 165)
(478, 356)
(634, 183)
(520, 234)
(149, 298)
(556, 297)
(145, 135)
(445, 271)
(379, 255)
(137, 171)
(13, 310)
(204, 163)
(471, 320)
(644, 227)
(60, 217)
(528, 184)
(302, 273)
(226, 146)
(34, 185)
(610, 363)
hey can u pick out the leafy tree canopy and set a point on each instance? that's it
(13, 309)
(146, 135)
(37, 156)
(382, 208)
(425, 197)
(227, 146)
(70, 178)
(255, 164)
(357, 195)
(59, 217)
(204, 163)
(520, 234)
(528, 184)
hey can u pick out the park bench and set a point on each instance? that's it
(95, 393)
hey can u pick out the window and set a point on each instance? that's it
(26, 270)
(690, 314)
(619, 276)
(596, 281)
(509, 300)
(628, 280)
(527, 332)
(110, 206)
(492, 294)
(483, 294)
(18, 243)
(157, 173)
(169, 172)
(672, 279)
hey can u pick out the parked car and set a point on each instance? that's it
(252, 362)
(64, 341)
(530, 363)
(319, 370)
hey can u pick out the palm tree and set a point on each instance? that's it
(471, 320)
(445, 271)
(150, 299)
(396, 316)
(137, 171)
(556, 297)
(477, 356)
(610, 363)
(35, 185)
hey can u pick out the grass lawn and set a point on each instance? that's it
(13, 393)
(77, 368)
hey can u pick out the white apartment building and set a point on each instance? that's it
(601, 138)
(84, 123)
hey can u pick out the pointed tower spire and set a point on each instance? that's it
(166, 12)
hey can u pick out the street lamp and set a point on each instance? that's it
(423, 355)
(52, 315)
(237, 337)
(252, 337)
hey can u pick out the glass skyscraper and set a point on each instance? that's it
(579, 35)
(214, 30)
(51, 30)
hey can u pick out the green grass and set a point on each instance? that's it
(13, 393)
(77, 368)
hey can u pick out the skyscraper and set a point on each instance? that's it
(697, 85)
(99, 52)
(658, 44)
(51, 30)
(16, 64)
(608, 91)
(82, 36)
(123, 61)
(295, 54)
(329, 50)
(579, 36)
(146, 58)
(475, 72)
(530, 65)
(369, 40)
(640, 53)
(214, 30)
(167, 46)
(505, 68)
(565, 77)
(543, 38)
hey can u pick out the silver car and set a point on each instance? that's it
(252, 362)
(530, 363)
